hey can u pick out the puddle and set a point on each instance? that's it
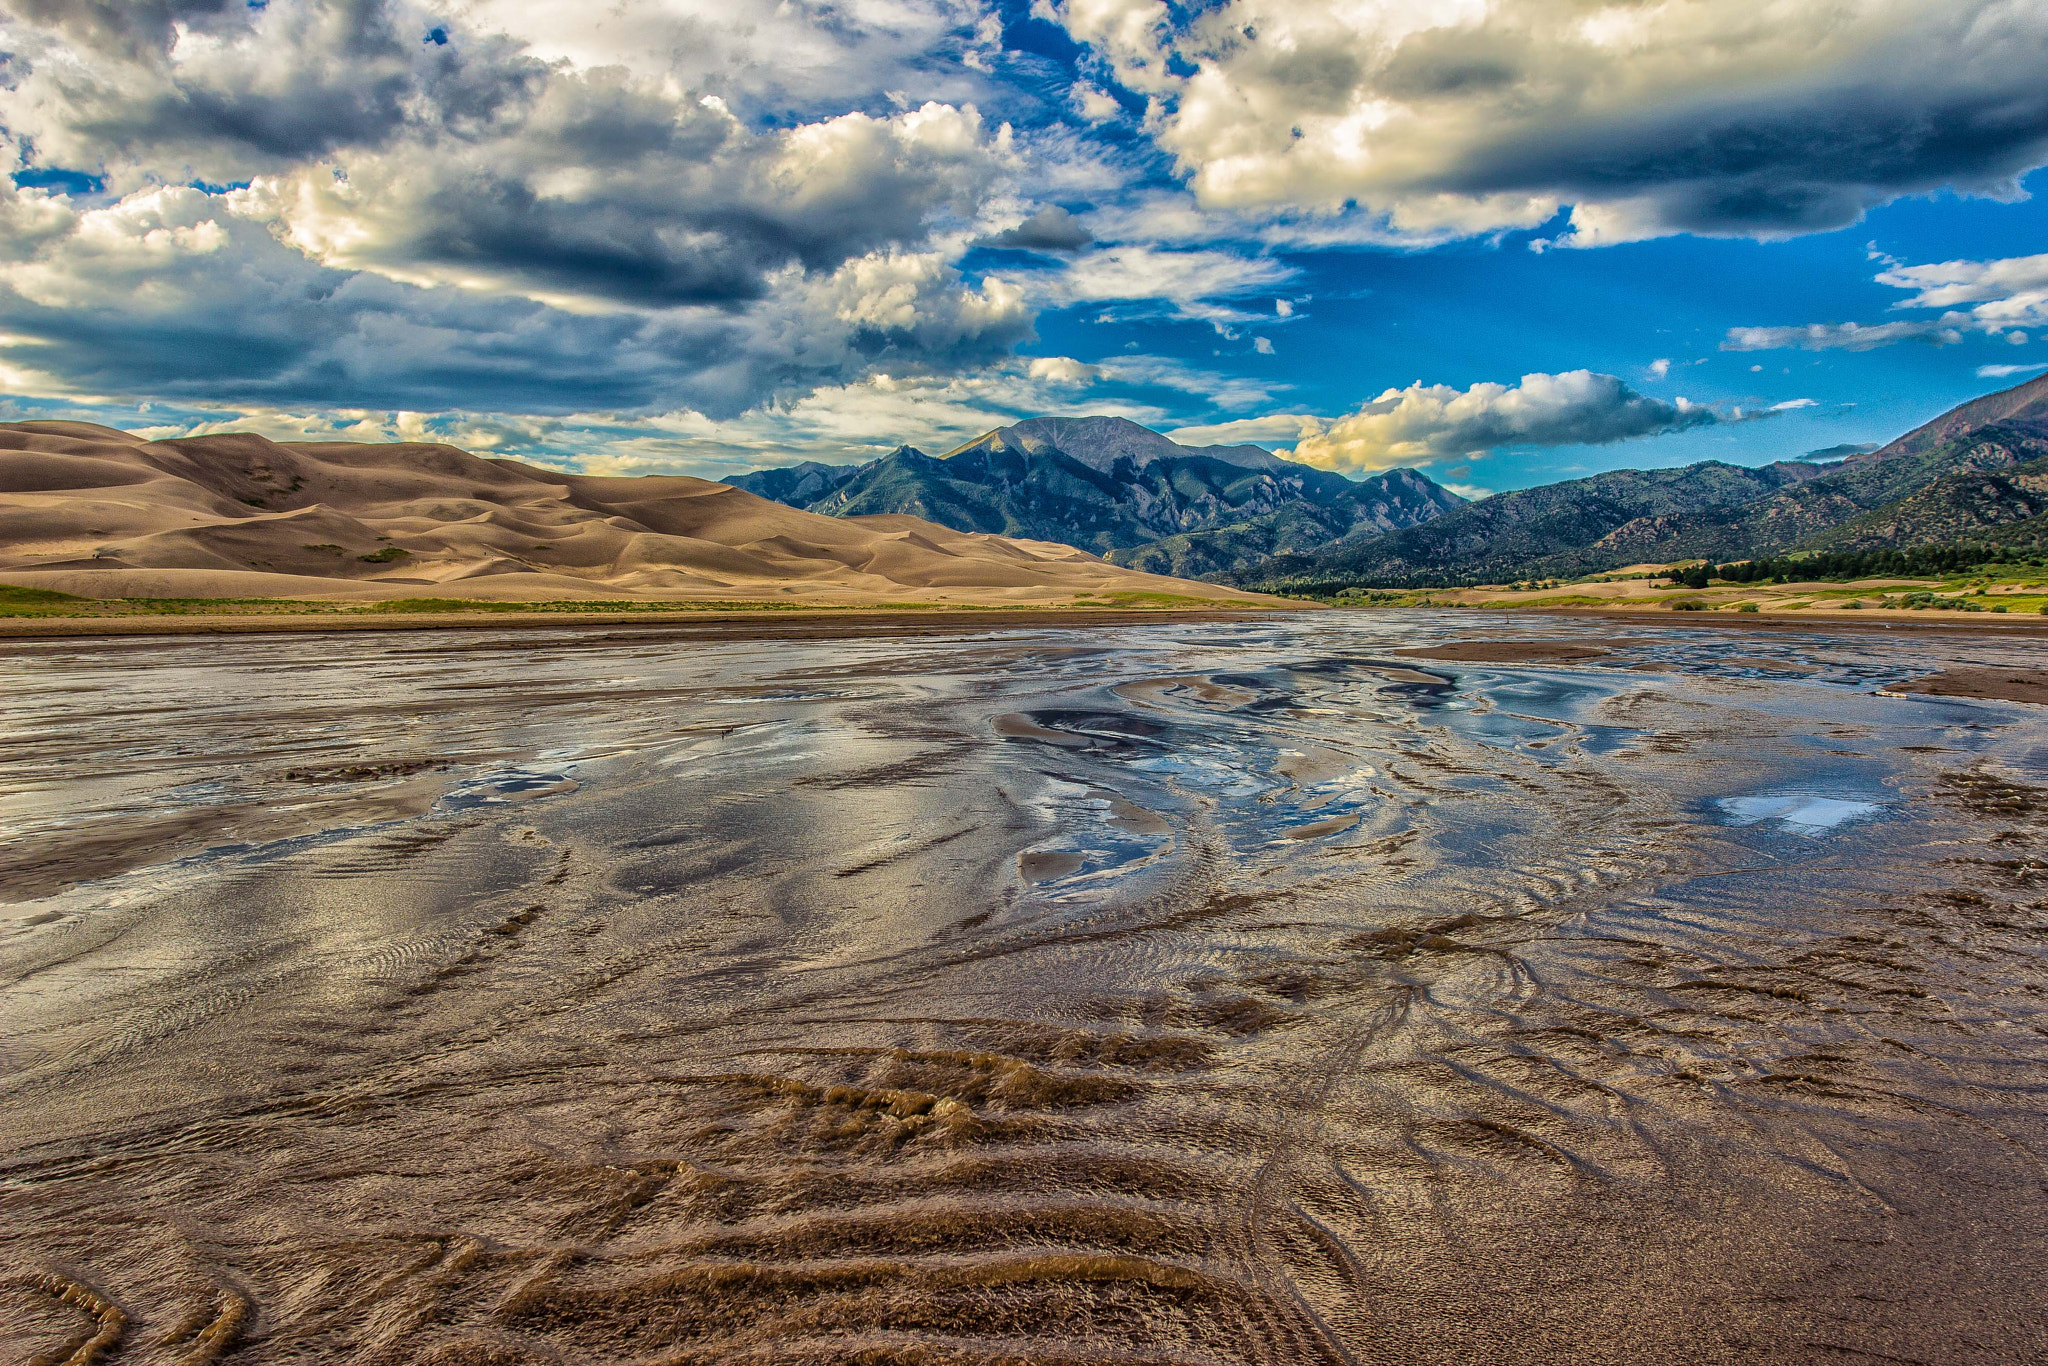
(504, 787)
(1797, 813)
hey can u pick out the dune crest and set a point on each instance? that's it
(88, 509)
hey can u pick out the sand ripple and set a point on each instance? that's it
(1205, 993)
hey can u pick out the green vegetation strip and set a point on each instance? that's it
(430, 606)
(1917, 562)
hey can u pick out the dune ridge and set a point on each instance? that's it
(106, 513)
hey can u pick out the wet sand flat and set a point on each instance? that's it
(774, 624)
(1193, 991)
(2028, 684)
(1511, 651)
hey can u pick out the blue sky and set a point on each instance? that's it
(1475, 311)
(1505, 241)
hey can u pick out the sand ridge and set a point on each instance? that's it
(100, 512)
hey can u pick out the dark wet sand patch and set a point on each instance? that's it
(1017, 726)
(1315, 830)
(1154, 690)
(1134, 819)
(1784, 666)
(1396, 674)
(1047, 867)
(1999, 685)
(1512, 651)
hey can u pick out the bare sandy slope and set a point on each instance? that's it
(91, 510)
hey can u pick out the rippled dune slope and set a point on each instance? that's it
(99, 512)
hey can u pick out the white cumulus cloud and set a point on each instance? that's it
(1443, 118)
(171, 293)
(532, 206)
(1995, 298)
(1429, 422)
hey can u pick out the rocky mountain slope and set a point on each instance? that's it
(2022, 409)
(1119, 489)
(91, 510)
(1968, 473)
(1605, 521)
(2003, 500)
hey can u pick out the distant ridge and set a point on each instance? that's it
(1100, 442)
(2023, 408)
(1119, 489)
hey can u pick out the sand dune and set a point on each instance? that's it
(87, 509)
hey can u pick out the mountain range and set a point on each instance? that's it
(1118, 489)
(1017, 515)
(1244, 516)
(1979, 471)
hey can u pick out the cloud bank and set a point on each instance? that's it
(433, 214)
(172, 293)
(1424, 423)
(707, 211)
(1455, 117)
(1995, 298)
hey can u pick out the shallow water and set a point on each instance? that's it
(1182, 993)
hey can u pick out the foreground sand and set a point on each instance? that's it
(1307, 990)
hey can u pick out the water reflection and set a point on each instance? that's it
(1798, 812)
(1216, 992)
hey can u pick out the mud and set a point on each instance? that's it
(2027, 684)
(1183, 992)
(1513, 651)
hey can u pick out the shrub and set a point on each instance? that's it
(1689, 605)
(384, 556)
(1747, 607)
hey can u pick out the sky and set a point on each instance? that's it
(1502, 241)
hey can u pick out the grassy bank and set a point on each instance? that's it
(1994, 589)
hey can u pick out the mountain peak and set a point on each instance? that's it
(2024, 406)
(1099, 442)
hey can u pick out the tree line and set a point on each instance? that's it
(1922, 561)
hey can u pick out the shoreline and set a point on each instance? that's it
(1979, 622)
(741, 624)
(762, 623)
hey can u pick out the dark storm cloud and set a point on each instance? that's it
(1786, 167)
(278, 87)
(129, 27)
(1052, 228)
